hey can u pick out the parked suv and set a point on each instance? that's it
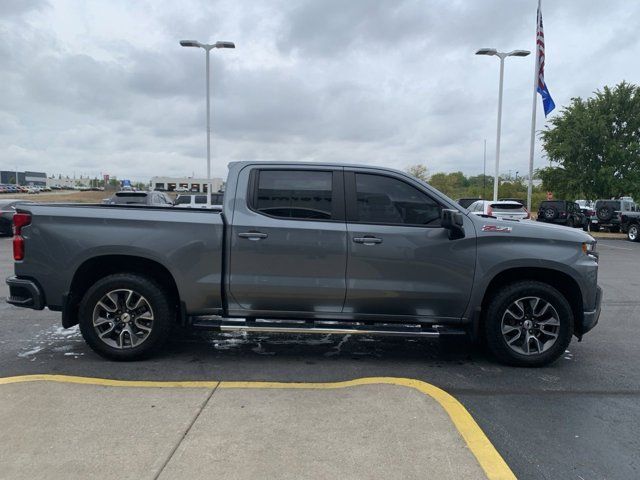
(630, 224)
(608, 213)
(563, 212)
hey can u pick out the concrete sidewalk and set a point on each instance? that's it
(68, 430)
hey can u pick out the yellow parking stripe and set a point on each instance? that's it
(488, 457)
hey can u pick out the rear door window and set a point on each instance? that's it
(295, 194)
(201, 199)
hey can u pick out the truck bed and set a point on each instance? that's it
(186, 242)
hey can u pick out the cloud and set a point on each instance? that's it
(105, 87)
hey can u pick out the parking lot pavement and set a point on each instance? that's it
(578, 418)
(375, 429)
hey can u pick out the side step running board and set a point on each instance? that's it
(324, 327)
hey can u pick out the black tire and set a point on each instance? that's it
(157, 299)
(503, 299)
(605, 213)
(570, 223)
(595, 227)
(550, 213)
(633, 232)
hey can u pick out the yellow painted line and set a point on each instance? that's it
(488, 457)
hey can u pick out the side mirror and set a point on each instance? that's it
(453, 221)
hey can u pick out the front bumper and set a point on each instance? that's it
(25, 293)
(590, 319)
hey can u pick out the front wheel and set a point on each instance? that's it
(633, 233)
(125, 317)
(528, 324)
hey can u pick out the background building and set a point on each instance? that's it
(170, 184)
(38, 179)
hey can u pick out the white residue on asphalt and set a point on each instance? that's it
(56, 339)
(338, 348)
(229, 341)
(33, 351)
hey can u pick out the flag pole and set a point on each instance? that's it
(532, 146)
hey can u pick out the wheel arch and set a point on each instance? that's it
(561, 281)
(95, 268)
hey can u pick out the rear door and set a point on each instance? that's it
(288, 241)
(401, 261)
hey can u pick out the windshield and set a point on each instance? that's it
(615, 204)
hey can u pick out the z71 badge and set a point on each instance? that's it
(496, 228)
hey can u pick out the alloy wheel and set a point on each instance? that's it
(530, 325)
(123, 318)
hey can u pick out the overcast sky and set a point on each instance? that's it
(104, 87)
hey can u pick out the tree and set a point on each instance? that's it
(419, 171)
(596, 145)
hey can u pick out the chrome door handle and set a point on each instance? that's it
(367, 240)
(253, 235)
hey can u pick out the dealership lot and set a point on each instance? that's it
(576, 419)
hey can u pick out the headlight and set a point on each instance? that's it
(590, 249)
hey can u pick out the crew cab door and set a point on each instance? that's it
(401, 262)
(288, 241)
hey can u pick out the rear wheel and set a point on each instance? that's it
(633, 233)
(528, 324)
(570, 223)
(125, 317)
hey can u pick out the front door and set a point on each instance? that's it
(288, 242)
(401, 261)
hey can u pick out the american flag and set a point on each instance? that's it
(542, 89)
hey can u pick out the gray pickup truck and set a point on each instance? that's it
(317, 248)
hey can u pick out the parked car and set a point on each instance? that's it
(508, 210)
(308, 247)
(155, 199)
(181, 189)
(608, 213)
(630, 224)
(7, 210)
(562, 212)
(465, 202)
(198, 200)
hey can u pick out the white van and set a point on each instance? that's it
(198, 200)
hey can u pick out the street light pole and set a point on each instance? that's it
(501, 56)
(207, 48)
(496, 178)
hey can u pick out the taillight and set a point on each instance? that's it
(18, 248)
(19, 220)
(528, 214)
(490, 211)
